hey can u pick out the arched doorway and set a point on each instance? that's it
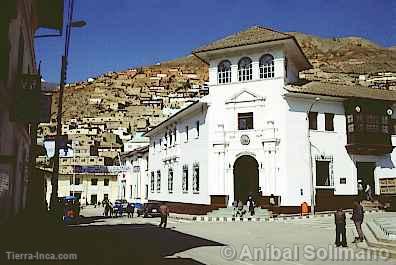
(246, 177)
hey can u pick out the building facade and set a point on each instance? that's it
(19, 80)
(133, 184)
(91, 178)
(90, 188)
(262, 131)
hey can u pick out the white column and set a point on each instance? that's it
(213, 76)
(256, 71)
(222, 173)
(234, 73)
(228, 180)
(279, 67)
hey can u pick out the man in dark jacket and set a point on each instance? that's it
(164, 211)
(357, 217)
(250, 204)
(340, 222)
(130, 210)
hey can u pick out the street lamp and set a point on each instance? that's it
(78, 24)
(55, 172)
(313, 193)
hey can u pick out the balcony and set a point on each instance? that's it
(50, 14)
(27, 98)
(369, 127)
(365, 143)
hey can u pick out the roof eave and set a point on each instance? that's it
(308, 64)
(295, 94)
(204, 54)
(191, 108)
(362, 96)
(202, 51)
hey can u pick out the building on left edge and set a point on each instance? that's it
(19, 100)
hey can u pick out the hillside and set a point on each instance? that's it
(349, 55)
(127, 94)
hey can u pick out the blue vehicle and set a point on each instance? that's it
(71, 206)
(139, 208)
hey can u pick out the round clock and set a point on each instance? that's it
(245, 140)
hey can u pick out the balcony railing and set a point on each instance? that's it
(31, 105)
(369, 143)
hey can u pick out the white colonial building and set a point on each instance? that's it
(133, 184)
(264, 132)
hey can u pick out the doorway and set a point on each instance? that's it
(246, 178)
(94, 199)
(365, 173)
(76, 194)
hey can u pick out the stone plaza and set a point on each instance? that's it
(297, 241)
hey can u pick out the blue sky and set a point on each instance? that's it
(121, 34)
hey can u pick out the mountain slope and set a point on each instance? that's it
(351, 55)
(339, 60)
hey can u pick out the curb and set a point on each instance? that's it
(371, 243)
(280, 218)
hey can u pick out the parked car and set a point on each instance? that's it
(123, 202)
(151, 209)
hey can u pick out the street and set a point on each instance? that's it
(99, 240)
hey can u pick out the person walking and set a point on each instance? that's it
(250, 204)
(357, 218)
(235, 208)
(111, 209)
(369, 193)
(340, 222)
(360, 189)
(130, 210)
(164, 211)
(106, 208)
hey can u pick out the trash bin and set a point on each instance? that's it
(304, 208)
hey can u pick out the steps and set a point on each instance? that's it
(376, 240)
(371, 205)
(229, 212)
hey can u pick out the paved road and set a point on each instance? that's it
(308, 240)
(101, 240)
(312, 238)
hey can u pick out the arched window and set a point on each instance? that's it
(224, 72)
(267, 69)
(245, 69)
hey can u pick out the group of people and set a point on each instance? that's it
(117, 210)
(340, 222)
(240, 211)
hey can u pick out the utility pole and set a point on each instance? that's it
(55, 171)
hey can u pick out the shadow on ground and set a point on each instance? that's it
(100, 244)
